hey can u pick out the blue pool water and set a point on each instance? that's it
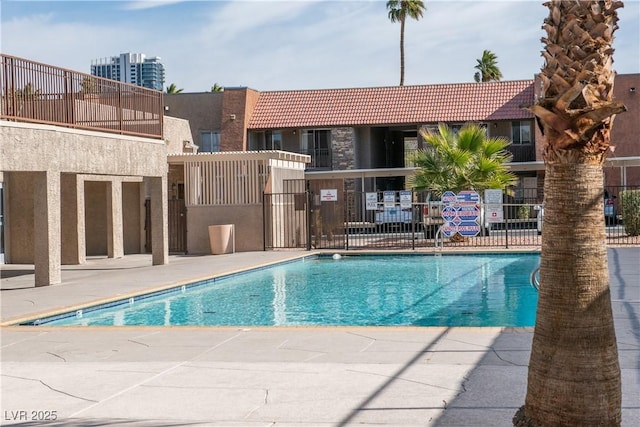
(419, 290)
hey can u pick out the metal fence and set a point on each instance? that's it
(345, 223)
(40, 93)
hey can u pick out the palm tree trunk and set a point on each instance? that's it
(402, 51)
(574, 375)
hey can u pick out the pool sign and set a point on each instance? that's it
(449, 213)
(449, 229)
(372, 201)
(448, 197)
(461, 212)
(405, 199)
(389, 199)
(493, 205)
(468, 196)
(468, 228)
(328, 195)
(469, 212)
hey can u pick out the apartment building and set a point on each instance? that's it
(134, 68)
(376, 127)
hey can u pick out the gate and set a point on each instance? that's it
(177, 225)
(286, 221)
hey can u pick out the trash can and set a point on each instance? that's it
(222, 239)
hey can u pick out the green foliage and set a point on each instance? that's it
(172, 88)
(89, 85)
(630, 202)
(400, 9)
(217, 88)
(468, 160)
(523, 212)
(487, 68)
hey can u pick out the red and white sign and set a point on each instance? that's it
(328, 195)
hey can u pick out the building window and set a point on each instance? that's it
(268, 140)
(209, 141)
(521, 132)
(273, 140)
(317, 144)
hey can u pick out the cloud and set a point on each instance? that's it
(276, 45)
(149, 4)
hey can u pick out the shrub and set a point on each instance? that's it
(523, 212)
(630, 202)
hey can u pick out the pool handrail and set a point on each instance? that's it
(534, 278)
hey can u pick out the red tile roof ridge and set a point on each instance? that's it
(397, 87)
(389, 105)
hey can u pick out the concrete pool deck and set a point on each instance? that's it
(266, 376)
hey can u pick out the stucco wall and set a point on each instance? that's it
(19, 218)
(96, 217)
(131, 211)
(202, 110)
(247, 220)
(176, 132)
(30, 147)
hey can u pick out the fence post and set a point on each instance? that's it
(308, 212)
(264, 221)
(506, 231)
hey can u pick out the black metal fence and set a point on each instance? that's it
(366, 221)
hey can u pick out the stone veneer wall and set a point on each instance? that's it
(343, 149)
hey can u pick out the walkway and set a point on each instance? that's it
(322, 376)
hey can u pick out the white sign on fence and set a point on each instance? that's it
(389, 199)
(493, 205)
(405, 199)
(328, 195)
(371, 201)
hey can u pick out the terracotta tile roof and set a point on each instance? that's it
(393, 105)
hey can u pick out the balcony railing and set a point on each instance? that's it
(39, 93)
(320, 158)
(522, 153)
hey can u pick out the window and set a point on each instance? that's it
(269, 140)
(317, 144)
(521, 132)
(209, 142)
(273, 140)
(410, 147)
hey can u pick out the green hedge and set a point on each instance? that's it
(630, 203)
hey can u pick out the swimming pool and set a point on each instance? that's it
(358, 290)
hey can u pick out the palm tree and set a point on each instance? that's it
(172, 88)
(398, 12)
(468, 160)
(574, 372)
(487, 68)
(217, 88)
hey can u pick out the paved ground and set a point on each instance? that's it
(202, 376)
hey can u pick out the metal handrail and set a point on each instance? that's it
(439, 232)
(534, 278)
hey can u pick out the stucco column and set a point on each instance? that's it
(73, 229)
(47, 248)
(159, 225)
(81, 230)
(115, 238)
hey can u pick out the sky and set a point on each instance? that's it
(297, 44)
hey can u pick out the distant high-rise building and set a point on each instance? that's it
(134, 68)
